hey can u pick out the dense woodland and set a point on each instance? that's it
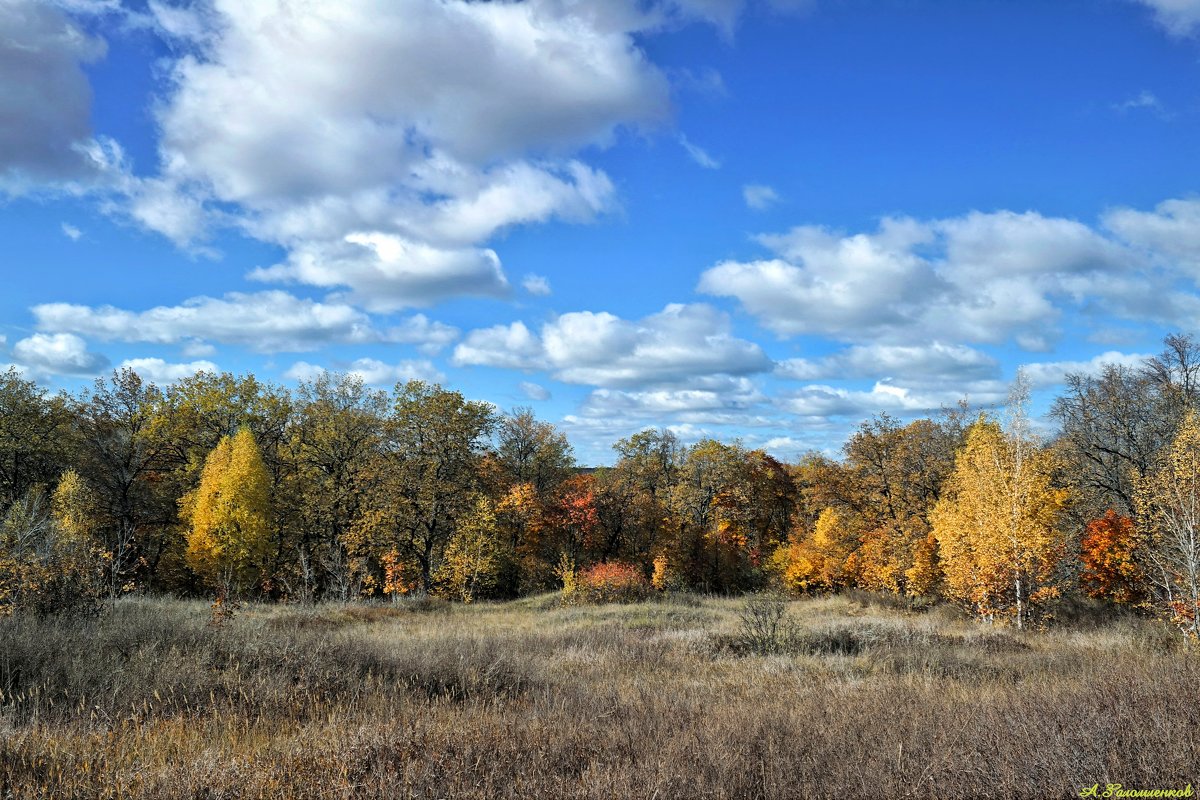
(220, 485)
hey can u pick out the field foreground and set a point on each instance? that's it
(526, 699)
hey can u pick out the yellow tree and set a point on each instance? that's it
(1168, 504)
(996, 523)
(826, 559)
(228, 515)
(477, 556)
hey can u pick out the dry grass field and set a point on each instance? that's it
(664, 699)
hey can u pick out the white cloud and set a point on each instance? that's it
(380, 158)
(534, 391)
(679, 345)
(830, 284)
(1178, 17)
(536, 285)
(510, 346)
(1052, 373)
(670, 347)
(373, 371)
(976, 278)
(266, 321)
(829, 401)
(429, 336)
(673, 346)
(1170, 232)
(158, 371)
(71, 232)
(45, 99)
(386, 84)
(698, 154)
(759, 196)
(386, 272)
(58, 354)
(688, 404)
(934, 362)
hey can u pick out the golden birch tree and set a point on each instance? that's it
(996, 523)
(1168, 504)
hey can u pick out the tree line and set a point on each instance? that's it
(220, 483)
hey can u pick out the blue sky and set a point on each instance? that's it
(754, 219)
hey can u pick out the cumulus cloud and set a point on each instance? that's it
(45, 98)
(386, 272)
(759, 196)
(266, 321)
(374, 153)
(510, 346)
(977, 278)
(58, 354)
(678, 345)
(1178, 17)
(1170, 232)
(372, 371)
(156, 370)
(1052, 373)
(822, 401)
(709, 404)
(673, 346)
(934, 362)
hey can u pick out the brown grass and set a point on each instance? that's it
(530, 700)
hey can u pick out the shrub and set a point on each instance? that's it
(763, 627)
(608, 582)
(46, 567)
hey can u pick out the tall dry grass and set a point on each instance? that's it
(531, 700)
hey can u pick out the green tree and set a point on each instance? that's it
(533, 452)
(338, 430)
(123, 462)
(424, 479)
(34, 432)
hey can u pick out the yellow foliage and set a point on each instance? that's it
(476, 556)
(996, 524)
(824, 560)
(1168, 502)
(229, 515)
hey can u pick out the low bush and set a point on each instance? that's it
(608, 582)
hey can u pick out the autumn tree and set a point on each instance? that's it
(824, 560)
(336, 432)
(229, 516)
(1112, 426)
(50, 559)
(894, 475)
(1109, 559)
(123, 461)
(712, 503)
(1168, 505)
(477, 557)
(532, 452)
(996, 523)
(424, 479)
